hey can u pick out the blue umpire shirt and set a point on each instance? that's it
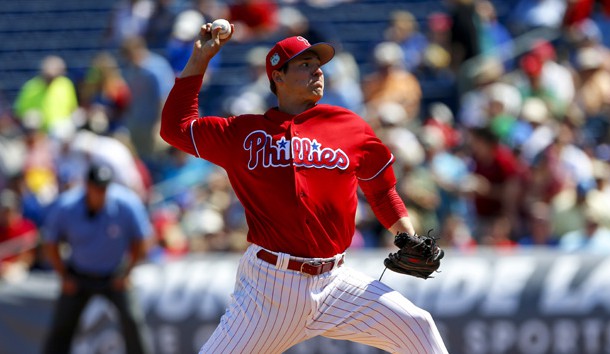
(98, 243)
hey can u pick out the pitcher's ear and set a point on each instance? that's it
(277, 76)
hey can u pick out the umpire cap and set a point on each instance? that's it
(100, 175)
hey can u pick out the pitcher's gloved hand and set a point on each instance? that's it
(418, 256)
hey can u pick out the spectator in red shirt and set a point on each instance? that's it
(578, 11)
(256, 19)
(498, 175)
(18, 237)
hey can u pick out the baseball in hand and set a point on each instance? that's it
(225, 27)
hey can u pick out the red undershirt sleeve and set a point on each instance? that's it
(180, 110)
(381, 194)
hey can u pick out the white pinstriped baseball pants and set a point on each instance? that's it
(273, 309)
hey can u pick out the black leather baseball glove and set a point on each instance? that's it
(418, 256)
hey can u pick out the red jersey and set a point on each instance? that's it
(503, 167)
(256, 15)
(17, 237)
(296, 175)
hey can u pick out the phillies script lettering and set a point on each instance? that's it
(301, 152)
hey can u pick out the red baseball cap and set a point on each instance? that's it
(286, 49)
(531, 65)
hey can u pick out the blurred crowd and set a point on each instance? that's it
(499, 124)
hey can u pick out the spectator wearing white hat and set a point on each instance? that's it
(591, 237)
(390, 81)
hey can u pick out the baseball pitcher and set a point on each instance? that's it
(296, 170)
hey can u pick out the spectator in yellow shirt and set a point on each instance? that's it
(47, 100)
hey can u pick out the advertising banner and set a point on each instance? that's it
(527, 301)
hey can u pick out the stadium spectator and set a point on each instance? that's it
(556, 77)
(499, 234)
(256, 20)
(435, 72)
(598, 197)
(342, 83)
(185, 30)
(86, 147)
(498, 187)
(547, 179)
(404, 30)
(441, 117)
(12, 146)
(18, 238)
(567, 209)
(205, 227)
(212, 9)
(593, 94)
(104, 93)
(527, 15)
(149, 76)
(391, 123)
(33, 206)
(176, 176)
(160, 25)
(498, 115)
(464, 39)
(535, 130)
(494, 38)
(539, 228)
(574, 169)
(38, 170)
(532, 85)
(449, 171)
(213, 220)
(578, 11)
(438, 32)
(474, 98)
(139, 57)
(171, 243)
(575, 162)
(391, 82)
(49, 99)
(419, 187)
(128, 18)
(456, 234)
(587, 34)
(424, 198)
(255, 95)
(592, 237)
(179, 44)
(292, 22)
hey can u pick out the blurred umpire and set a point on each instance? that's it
(105, 226)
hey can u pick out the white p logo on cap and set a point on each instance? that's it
(302, 39)
(275, 59)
